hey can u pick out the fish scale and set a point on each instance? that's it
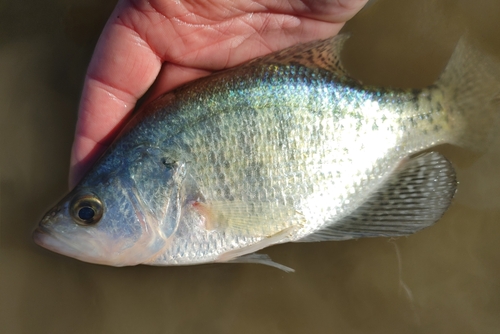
(306, 137)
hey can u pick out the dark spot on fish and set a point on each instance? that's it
(439, 107)
(168, 163)
(213, 157)
(227, 193)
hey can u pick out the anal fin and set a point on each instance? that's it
(414, 197)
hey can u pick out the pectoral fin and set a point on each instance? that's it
(260, 219)
(413, 198)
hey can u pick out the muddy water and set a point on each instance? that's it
(445, 279)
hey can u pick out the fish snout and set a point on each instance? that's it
(48, 218)
(44, 226)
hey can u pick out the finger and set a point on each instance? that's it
(122, 68)
(338, 11)
(215, 36)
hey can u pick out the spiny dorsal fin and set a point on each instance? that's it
(413, 198)
(323, 54)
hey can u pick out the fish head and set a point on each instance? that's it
(118, 215)
(93, 225)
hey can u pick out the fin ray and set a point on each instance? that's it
(279, 237)
(470, 85)
(413, 198)
(261, 259)
(323, 54)
(261, 219)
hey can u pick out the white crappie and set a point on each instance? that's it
(284, 148)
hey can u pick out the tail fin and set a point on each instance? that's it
(470, 85)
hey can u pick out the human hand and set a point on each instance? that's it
(169, 42)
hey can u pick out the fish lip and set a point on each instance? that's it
(37, 236)
(40, 236)
(39, 233)
(51, 240)
(44, 237)
(43, 229)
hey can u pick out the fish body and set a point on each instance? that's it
(284, 148)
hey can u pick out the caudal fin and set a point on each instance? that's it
(470, 85)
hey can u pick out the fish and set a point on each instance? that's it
(287, 147)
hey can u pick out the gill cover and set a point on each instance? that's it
(154, 187)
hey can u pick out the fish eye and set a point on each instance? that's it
(86, 209)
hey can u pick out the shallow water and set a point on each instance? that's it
(445, 279)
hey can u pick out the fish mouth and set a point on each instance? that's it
(40, 234)
(91, 251)
(44, 237)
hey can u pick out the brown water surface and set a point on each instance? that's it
(445, 279)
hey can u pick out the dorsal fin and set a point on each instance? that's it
(413, 198)
(322, 54)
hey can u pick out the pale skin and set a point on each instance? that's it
(165, 43)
